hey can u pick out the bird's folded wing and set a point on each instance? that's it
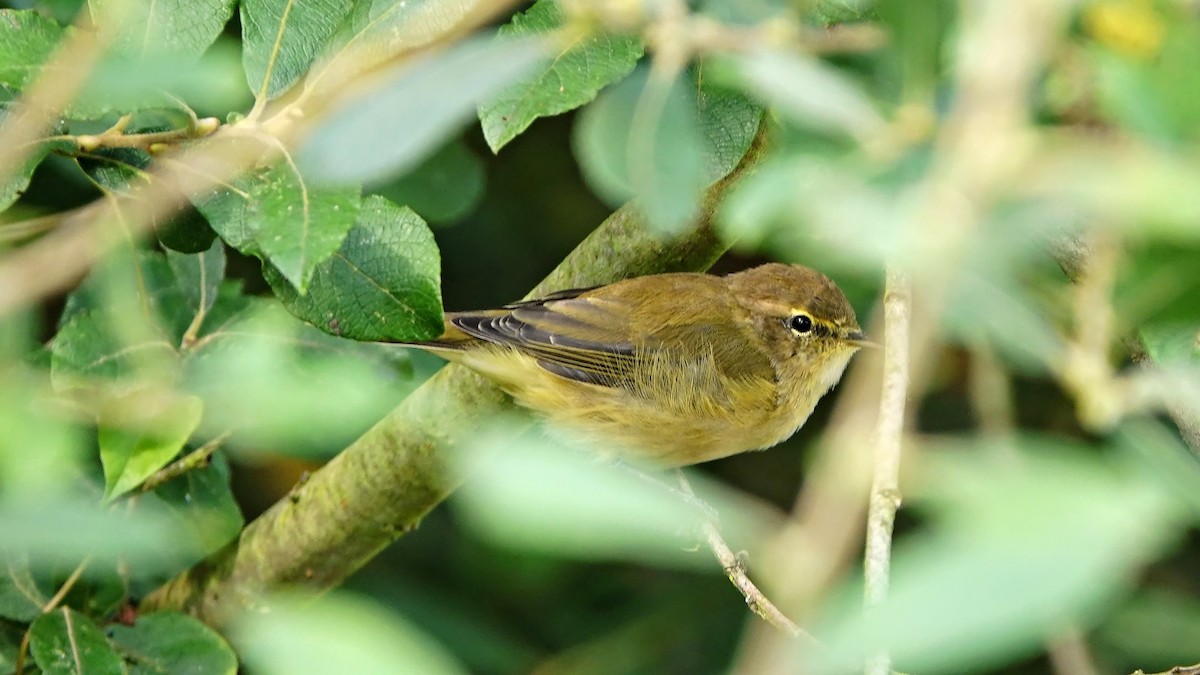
(589, 338)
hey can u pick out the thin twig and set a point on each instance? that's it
(1177, 670)
(735, 570)
(885, 486)
(193, 460)
(50, 605)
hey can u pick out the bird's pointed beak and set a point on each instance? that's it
(859, 339)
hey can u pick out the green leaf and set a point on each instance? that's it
(277, 216)
(11, 636)
(444, 188)
(377, 31)
(52, 527)
(338, 633)
(383, 284)
(300, 227)
(808, 91)
(164, 643)
(1149, 95)
(22, 595)
(547, 494)
(1172, 343)
(1158, 626)
(571, 78)
(125, 82)
(39, 449)
(131, 455)
(202, 506)
(26, 40)
(281, 38)
(65, 642)
(187, 231)
(267, 374)
(642, 139)
(182, 28)
(1020, 544)
(728, 121)
(87, 348)
(199, 276)
(427, 100)
(127, 317)
(14, 184)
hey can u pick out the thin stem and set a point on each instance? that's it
(195, 459)
(735, 570)
(885, 487)
(50, 606)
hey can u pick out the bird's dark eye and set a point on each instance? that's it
(801, 323)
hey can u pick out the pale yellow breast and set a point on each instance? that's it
(673, 417)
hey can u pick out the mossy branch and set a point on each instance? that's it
(383, 484)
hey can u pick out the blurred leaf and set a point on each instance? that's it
(377, 31)
(202, 505)
(14, 184)
(277, 215)
(65, 642)
(337, 633)
(87, 348)
(444, 188)
(184, 28)
(569, 79)
(50, 528)
(662, 142)
(540, 494)
(127, 317)
(832, 12)
(26, 40)
(124, 82)
(751, 12)
(1021, 545)
(1159, 626)
(170, 642)
(39, 449)
(1172, 343)
(284, 384)
(1145, 89)
(131, 455)
(199, 276)
(917, 44)
(799, 202)
(808, 91)
(22, 595)
(281, 38)
(427, 99)
(641, 138)
(10, 642)
(383, 284)
(1157, 452)
(1143, 190)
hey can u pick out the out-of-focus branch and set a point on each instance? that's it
(1073, 254)
(889, 436)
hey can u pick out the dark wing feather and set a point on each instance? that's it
(587, 334)
(569, 336)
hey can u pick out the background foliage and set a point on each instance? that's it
(212, 211)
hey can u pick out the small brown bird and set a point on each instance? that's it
(672, 368)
